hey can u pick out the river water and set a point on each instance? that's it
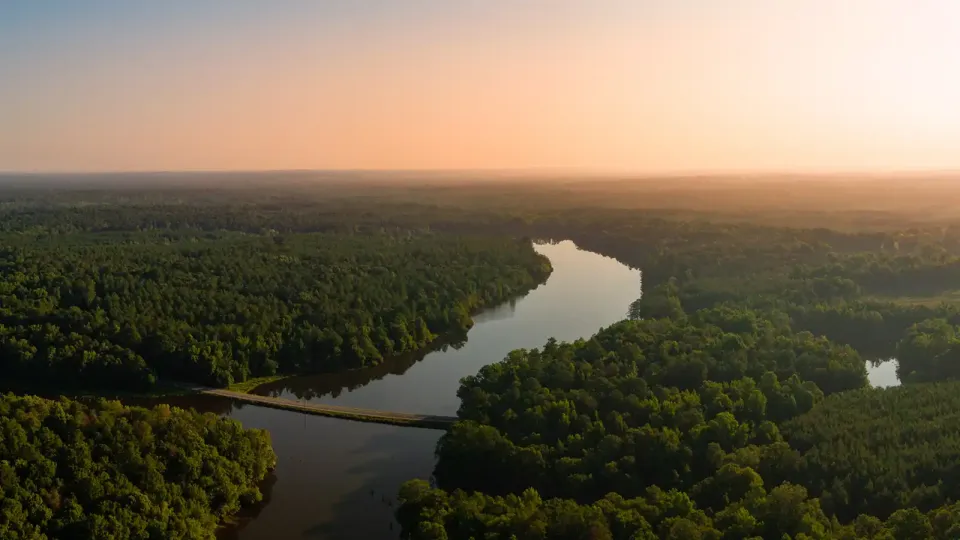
(337, 479)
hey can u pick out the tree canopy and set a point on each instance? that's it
(733, 404)
(119, 310)
(70, 470)
(716, 425)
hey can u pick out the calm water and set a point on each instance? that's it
(337, 479)
(883, 374)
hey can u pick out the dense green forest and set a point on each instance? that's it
(849, 283)
(732, 404)
(682, 424)
(70, 470)
(641, 403)
(721, 424)
(120, 309)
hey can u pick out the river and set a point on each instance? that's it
(337, 479)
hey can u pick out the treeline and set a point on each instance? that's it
(721, 424)
(70, 470)
(825, 300)
(119, 310)
(783, 512)
(873, 327)
(928, 272)
(653, 402)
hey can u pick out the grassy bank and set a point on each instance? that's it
(248, 385)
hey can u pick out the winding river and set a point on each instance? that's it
(337, 479)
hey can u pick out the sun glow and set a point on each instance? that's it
(640, 85)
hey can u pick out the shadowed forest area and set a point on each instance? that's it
(732, 401)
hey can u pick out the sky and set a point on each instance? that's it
(625, 85)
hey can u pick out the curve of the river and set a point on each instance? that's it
(338, 479)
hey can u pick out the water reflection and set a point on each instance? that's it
(312, 387)
(335, 479)
(250, 513)
(499, 313)
(332, 385)
(202, 403)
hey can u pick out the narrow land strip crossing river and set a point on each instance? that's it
(339, 411)
(339, 480)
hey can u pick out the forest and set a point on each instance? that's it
(862, 464)
(71, 470)
(120, 310)
(608, 428)
(721, 424)
(731, 403)
(734, 404)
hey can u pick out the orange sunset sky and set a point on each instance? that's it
(669, 85)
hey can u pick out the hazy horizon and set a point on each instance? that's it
(530, 174)
(620, 87)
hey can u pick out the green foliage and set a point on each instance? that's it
(711, 414)
(69, 470)
(603, 439)
(786, 511)
(844, 286)
(642, 403)
(929, 351)
(879, 450)
(119, 310)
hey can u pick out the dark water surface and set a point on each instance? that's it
(337, 479)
